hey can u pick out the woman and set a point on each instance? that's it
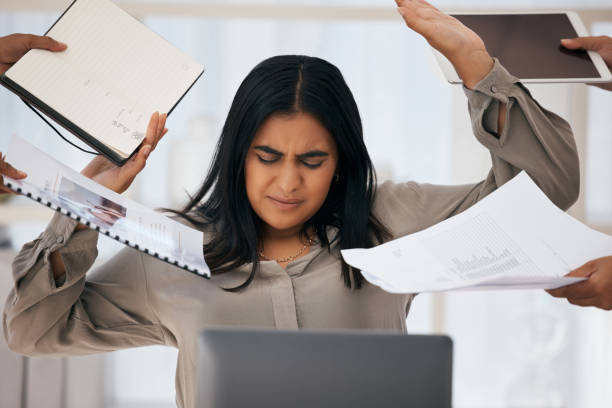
(290, 185)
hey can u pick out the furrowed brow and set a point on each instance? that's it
(268, 149)
(314, 153)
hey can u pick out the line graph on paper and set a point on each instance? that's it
(479, 248)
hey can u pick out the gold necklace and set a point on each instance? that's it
(288, 258)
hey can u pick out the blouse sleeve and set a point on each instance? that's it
(107, 310)
(533, 139)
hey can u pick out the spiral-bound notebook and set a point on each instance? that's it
(114, 75)
(62, 189)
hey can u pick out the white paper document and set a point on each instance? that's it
(63, 189)
(515, 238)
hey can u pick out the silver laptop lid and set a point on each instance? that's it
(265, 368)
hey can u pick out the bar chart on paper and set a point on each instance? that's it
(479, 248)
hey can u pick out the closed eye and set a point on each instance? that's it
(312, 165)
(267, 161)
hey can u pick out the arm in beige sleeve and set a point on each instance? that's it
(106, 311)
(533, 139)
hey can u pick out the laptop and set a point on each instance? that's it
(299, 369)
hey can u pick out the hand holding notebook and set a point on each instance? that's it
(12, 48)
(15, 46)
(113, 76)
(117, 178)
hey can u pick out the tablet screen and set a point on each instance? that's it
(528, 45)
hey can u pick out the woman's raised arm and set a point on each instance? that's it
(117, 178)
(462, 46)
(459, 44)
(54, 310)
(518, 132)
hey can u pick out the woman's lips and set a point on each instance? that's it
(284, 203)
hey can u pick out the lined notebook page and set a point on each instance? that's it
(115, 73)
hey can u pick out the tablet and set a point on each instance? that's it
(528, 46)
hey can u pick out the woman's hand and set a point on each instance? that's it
(460, 45)
(118, 178)
(8, 170)
(15, 46)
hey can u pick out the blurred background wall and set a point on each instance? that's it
(518, 349)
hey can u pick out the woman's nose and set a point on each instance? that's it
(289, 178)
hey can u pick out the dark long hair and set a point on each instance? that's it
(287, 85)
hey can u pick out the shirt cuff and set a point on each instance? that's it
(498, 84)
(58, 231)
(76, 248)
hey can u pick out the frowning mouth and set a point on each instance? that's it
(285, 203)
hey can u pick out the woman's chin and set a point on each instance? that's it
(279, 224)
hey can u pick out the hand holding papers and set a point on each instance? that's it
(63, 189)
(7, 170)
(513, 239)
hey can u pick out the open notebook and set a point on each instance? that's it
(115, 73)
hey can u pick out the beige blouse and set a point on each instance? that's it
(135, 300)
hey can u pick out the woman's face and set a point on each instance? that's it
(288, 171)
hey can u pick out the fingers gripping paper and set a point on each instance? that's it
(515, 238)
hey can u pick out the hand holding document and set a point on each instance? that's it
(65, 190)
(515, 238)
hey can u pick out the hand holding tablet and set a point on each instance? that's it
(601, 45)
(529, 46)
